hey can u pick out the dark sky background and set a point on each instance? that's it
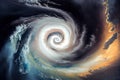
(82, 11)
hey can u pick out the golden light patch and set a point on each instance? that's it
(109, 55)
